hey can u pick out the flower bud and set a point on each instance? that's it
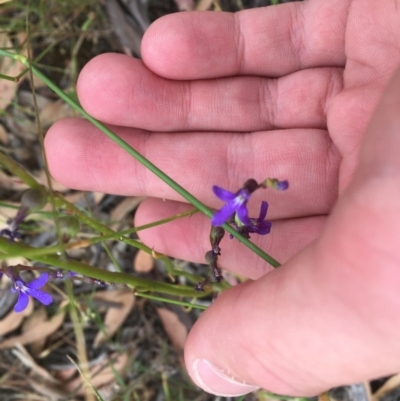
(34, 199)
(250, 185)
(276, 184)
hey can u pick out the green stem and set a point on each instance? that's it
(116, 236)
(138, 283)
(108, 233)
(8, 78)
(83, 217)
(16, 169)
(158, 222)
(171, 301)
(154, 169)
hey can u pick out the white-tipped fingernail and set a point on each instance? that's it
(212, 380)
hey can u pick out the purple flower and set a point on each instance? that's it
(25, 290)
(258, 225)
(235, 203)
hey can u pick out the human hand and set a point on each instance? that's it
(326, 317)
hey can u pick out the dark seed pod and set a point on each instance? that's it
(216, 235)
(34, 199)
(251, 185)
(211, 258)
(69, 225)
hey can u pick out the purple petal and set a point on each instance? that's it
(22, 302)
(264, 227)
(43, 297)
(221, 216)
(243, 195)
(243, 215)
(18, 283)
(10, 234)
(38, 282)
(22, 214)
(263, 211)
(282, 185)
(223, 194)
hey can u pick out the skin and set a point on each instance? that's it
(291, 92)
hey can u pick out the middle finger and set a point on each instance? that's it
(120, 90)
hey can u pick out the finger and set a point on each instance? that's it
(82, 158)
(188, 238)
(271, 41)
(120, 90)
(325, 318)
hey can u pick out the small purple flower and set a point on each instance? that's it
(257, 226)
(275, 184)
(25, 290)
(282, 185)
(235, 203)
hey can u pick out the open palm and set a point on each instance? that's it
(284, 92)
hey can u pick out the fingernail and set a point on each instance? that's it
(213, 381)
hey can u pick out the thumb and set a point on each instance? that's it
(327, 317)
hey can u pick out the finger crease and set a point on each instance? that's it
(187, 104)
(268, 101)
(238, 38)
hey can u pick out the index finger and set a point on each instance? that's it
(270, 41)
